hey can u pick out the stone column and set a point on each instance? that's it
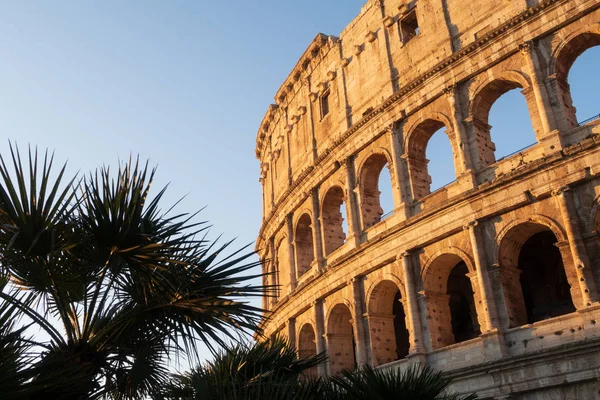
(352, 207)
(540, 92)
(320, 334)
(465, 175)
(274, 273)
(311, 113)
(412, 306)
(578, 251)
(483, 279)
(399, 174)
(291, 328)
(317, 232)
(291, 251)
(359, 322)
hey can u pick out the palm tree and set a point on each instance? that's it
(268, 369)
(415, 383)
(271, 370)
(117, 287)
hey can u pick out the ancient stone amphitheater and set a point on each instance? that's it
(492, 278)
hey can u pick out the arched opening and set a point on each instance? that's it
(333, 219)
(512, 125)
(420, 148)
(546, 291)
(307, 347)
(462, 304)
(576, 71)
(542, 290)
(341, 346)
(502, 105)
(441, 158)
(450, 301)
(305, 254)
(375, 190)
(387, 324)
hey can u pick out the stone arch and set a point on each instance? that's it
(571, 47)
(450, 284)
(415, 147)
(341, 345)
(563, 58)
(539, 219)
(307, 346)
(368, 184)
(535, 278)
(303, 244)
(485, 95)
(333, 221)
(387, 322)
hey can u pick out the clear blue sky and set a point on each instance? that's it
(183, 83)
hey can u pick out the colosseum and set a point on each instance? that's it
(492, 278)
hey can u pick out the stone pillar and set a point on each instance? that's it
(352, 207)
(420, 181)
(465, 174)
(399, 173)
(291, 331)
(359, 322)
(560, 90)
(480, 142)
(581, 261)
(311, 114)
(412, 306)
(489, 308)
(320, 334)
(542, 99)
(291, 251)
(317, 232)
(274, 273)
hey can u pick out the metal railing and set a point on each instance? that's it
(586, 121)
(517, 152)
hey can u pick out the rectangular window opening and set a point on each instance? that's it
(409, 26)
(325, 104)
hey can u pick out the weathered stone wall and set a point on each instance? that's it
(452, 277)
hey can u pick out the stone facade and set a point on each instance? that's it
(493, 278)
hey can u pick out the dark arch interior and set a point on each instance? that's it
(307, 347)
(462, 304)
(400, 331)
(546, 291)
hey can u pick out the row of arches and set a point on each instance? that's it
(433, 154)
(535, 281)
(375, 202)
